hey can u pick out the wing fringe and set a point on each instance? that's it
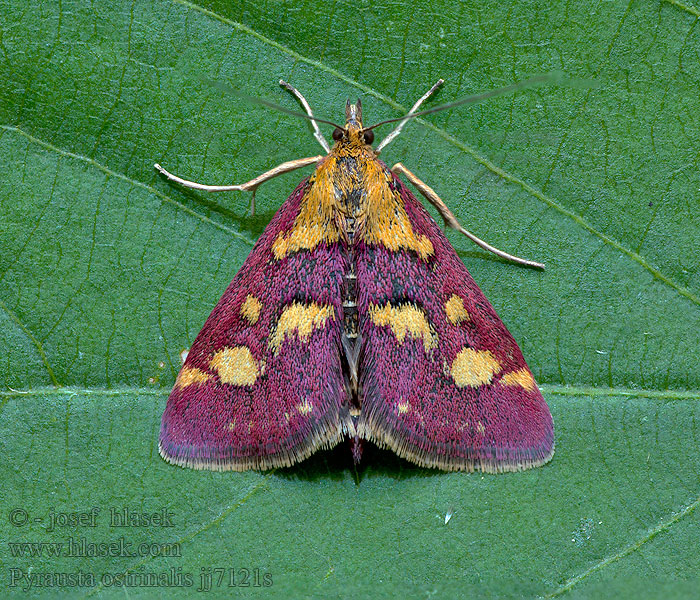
(516, 459)
(324, 437)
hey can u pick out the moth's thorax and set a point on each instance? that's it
(352, 166)
(347, 179)
(352, 196)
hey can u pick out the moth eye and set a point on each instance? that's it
(338, 134)
(369, 136)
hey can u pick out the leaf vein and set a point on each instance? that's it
(689, 9)
(34, 340)
(201, 529)
(627, 550)
(92, 162)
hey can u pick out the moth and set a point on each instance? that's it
(354, 318)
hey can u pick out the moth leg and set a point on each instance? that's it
(452, 221)
(317, 132)
(249, 186)
(400, 126)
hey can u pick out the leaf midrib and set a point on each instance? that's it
(546, 388)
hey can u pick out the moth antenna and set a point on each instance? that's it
(299, 96)
(389, 138)
(554, 77)
(231, 90)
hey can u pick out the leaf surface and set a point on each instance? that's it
(107, 273)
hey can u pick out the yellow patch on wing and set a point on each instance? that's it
(301, 319)
(474, 367)
(521, 377)
(189, 375)
(405, 320)
(480, 428)
(454, 308)
(305, 407)
(250, 309)
(316, 222)
(235, 366)
(385, 221)
(403, 407)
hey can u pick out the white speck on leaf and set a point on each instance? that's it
(584, 532)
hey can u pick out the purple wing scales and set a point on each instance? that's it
(262, 385)
(443, 382)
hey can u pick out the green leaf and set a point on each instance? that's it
(107, 273)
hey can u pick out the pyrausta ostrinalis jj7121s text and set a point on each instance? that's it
(353, 317)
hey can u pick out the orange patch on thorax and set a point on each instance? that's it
(316, 221)
(351, 170)
(385, 221)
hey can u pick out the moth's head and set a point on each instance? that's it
(353, 131)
